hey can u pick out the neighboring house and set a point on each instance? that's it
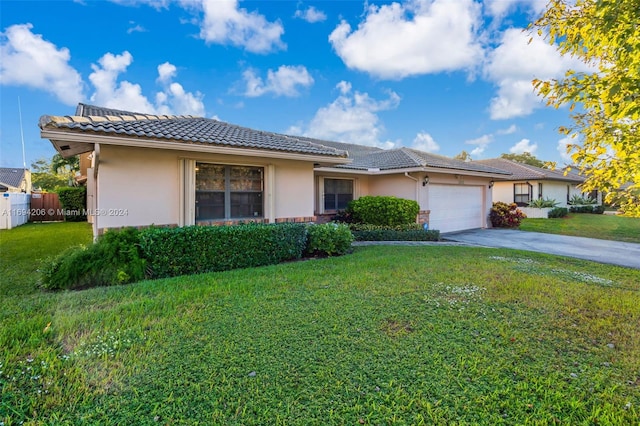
(527, 183)
(15, 180)
(183, 170)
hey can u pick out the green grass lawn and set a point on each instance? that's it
(606, 227)
(386, 335)
(22, 249)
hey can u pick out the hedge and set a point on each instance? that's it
(393, 235)
(113, 259)
(196, 249)
(557, 212)
(74, 203)
(595, 209)
(329, 239)
(381, 210)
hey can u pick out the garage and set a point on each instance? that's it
(455, 207)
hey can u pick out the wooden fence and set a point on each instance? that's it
(45, 208)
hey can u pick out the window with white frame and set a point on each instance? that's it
(522, 193)
(226, 192)
(337, 193)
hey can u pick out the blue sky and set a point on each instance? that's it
(439, 75)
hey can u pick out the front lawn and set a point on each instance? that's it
(605, 227)
(386, 335)
(23, 248)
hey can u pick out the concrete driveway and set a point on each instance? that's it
(603, 251)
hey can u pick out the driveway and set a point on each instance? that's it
(603, 251)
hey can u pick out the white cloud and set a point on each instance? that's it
(418, 37)
(166, 72)
(225, 23)
(515, 63)
(29, 60)
(563, 145)
(311, 15)
(481, 143)
(286, 81)
(111, 93)
(509, 130)
(351, 117)
(135, 28)
(523, 146)
(425, 142)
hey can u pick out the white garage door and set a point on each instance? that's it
(455, 207)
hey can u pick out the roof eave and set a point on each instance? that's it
(374, 172)
(69, 144)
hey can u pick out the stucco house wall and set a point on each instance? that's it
(554, 190)
(139, 186)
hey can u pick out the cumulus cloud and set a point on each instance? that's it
(351, 117)
(111, 93)
(135, 28)
(311, 15)
(286, 81)
(481, 143)
(29, 60)
(515, 63)
(418, 37)
(425, 142)
(564, 145)
(524, 145)
(225, 23)
(509, 130)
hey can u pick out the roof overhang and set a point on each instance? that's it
(69, 144)
(377, 172)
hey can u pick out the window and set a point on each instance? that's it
(540, 190)
(228, 192)
(337, 193)
(522, 193)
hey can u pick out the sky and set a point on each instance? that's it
(441, 76)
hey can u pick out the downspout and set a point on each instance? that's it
(417, 186)
(96, 165)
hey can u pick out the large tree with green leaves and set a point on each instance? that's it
(606, 131)
(524, 158)
(47, 175)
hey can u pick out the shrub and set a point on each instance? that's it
(74, 203)
(558, 212)
(542, 203)
(394, 235)
(505, 215)
(577, 200)
(342, 216)
(329, 239)
(380, 210)
(113, 259)
(195, 249)
(368, 227)
(587, 209)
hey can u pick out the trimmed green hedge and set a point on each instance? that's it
(393, 235)
(329, 239)
(74, 202)
(595, 209)
(196, 249)
(380, 210)
(557, 212)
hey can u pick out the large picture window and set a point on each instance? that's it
(228, 192)
(337, 193)
(522, 193)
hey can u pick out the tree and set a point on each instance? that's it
(605, 35)
(47, 175)
(463, 156)
(524, 158)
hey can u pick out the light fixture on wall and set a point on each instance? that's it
(491, 184)
(425, 181)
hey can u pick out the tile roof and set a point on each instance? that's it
(520, 171)
(11, 177)
(184, 129)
